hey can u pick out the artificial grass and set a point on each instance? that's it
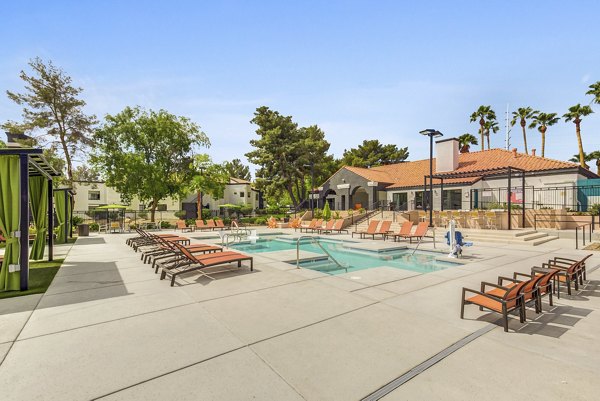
(40, 276)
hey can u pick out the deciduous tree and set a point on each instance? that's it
(148, 154)
(52, 111)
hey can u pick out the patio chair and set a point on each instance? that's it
(168, 253)
(543, 285)
(210, 224)
(194, 263)
(318, 224)
(529, 290)
(420, 231)
(338, 227)
(458, 218)
(220, 225)
(566, 276)
(491, 220)
(371, 229)
(384, 229)
(328, 227)
(201, 225)
(272, 222)
(561, 262)
(144, 236)
(475, 219)
(309, 226)
(403, 233)
(510, 301)
(180, 224)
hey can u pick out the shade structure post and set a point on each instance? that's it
(24, 222)
(66, 225)
(509, 198)
(523, 198)
(50, 222)
(442, 194)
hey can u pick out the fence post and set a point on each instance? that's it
(576, 237)
(583, 228)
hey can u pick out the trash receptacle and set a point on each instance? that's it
(83, 230)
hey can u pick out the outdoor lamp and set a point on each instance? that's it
(431, 133)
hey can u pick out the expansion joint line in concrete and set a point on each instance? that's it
(423, 366)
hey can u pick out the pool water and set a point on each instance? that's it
(351, 259)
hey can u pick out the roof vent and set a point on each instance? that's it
(533, 152)
(514, 152)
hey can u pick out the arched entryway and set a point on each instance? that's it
(360, 198)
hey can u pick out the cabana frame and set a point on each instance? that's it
(483, 174)
(32, 163)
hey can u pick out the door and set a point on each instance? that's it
(400, 201)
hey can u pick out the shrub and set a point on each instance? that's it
(76, 220)
(190, 222)
(227, 221)
(248, 220)
(180, 214)
(246, 209)
(206, 214)
(165, 224)
(361, 210)
(336, 215)
(595, 209)
(260, 221)
(318, 214)
(94, 227)
(133, 226)
(350, 212)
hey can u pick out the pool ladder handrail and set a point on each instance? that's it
(421, 240)
(315, 240)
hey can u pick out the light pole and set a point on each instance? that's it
(312, 186)
(199, 200)
(431, 133)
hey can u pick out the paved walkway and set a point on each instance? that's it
(109, 329)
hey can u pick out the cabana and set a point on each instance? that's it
(63, 203)
(25, 184)
(509, 172)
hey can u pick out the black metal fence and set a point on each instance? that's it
(572, 198)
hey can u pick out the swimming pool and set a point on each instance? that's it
(351, 258)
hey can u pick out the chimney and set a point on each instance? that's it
(533, 152)
(446, 155)
(514, 152)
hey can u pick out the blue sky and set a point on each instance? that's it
(358, 69)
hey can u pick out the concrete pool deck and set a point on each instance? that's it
(108, 328)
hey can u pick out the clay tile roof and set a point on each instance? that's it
(479, 164)
(233, 180)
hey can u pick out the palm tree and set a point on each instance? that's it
(542, 121)
(465, 141)
(588, 157)
(594, 91)
(490, 125)
(575, 113)
(523, 114)
(483, 113)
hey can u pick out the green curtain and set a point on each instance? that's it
(9, 220)
(61, 213)
(38, 198)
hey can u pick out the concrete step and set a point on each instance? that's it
(547, 238)
(532, 237)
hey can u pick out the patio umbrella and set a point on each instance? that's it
(111, 206)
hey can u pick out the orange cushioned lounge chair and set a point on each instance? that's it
(192, 262)
(511, 300)
(403, 233)
(371, 229)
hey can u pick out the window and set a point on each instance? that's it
(419, 200)
(453, 199)
(94, 195)
(142, 207)
(242, 194)
(162, 207)
(256, 196)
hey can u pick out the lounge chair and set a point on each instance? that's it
(328, 227)
(219, 224)
(403, 233)
(571, 274)
(168, 253)
(371, 229)
(384, 229)
(542, 286)
(511, 300)
(201, 225)
(315, 223)
(180, 224)
(308, 226)
(420, 231)
(210, 224)
(338, 227)
(193, 262)
(272, 222)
